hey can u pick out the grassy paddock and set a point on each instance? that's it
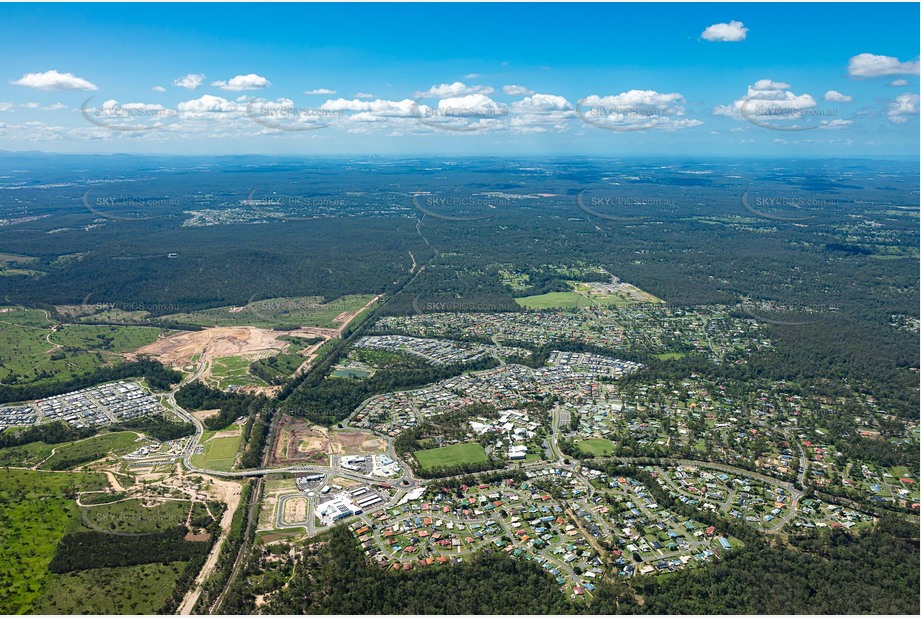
(454, 455)
(597, 447)
(84, 451)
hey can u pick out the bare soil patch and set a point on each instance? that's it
(227, 433)
(205, 414)
(295, 511)
(300, 441)
(177, 350)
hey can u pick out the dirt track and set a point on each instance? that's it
(229, 493)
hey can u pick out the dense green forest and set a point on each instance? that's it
(80, 551)
(158, 427)
(230, 406)
(855, 264)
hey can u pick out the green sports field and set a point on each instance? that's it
(597, 447)
(454, 455)
(219, 453)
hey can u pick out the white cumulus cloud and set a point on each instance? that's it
(645, 98)
(543, 102)
(237, 83)
(541, 113)
(457, 89)
(378, 107)
(190, 81)
(637, 110)
(872, 65)
(320, 91)
(471, 105)
(768, 99)
(837, 97)
(158, 89)
(905, 105)
(898, 83)
(767, 84)
(209, 106)
(52, 80)
(732, 32)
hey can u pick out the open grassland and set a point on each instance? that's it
(286, 312)
(133, 517)
(139, 589)
(670, 355)
(554, 300)
(109, 338)
(233, 371)
(36, 509)
(77, 453)
(27, 356)
(24, 456)
(584, 295)
(35, 349)
(101, 313)
(624, 295)
(7, 259)
(6, 271)
(450, 456)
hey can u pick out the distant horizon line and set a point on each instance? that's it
(881, 157)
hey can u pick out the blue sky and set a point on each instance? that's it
(537, 79)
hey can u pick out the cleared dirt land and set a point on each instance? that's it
(178, 350)
(300, 441)
(295, 511)
(270, 497)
